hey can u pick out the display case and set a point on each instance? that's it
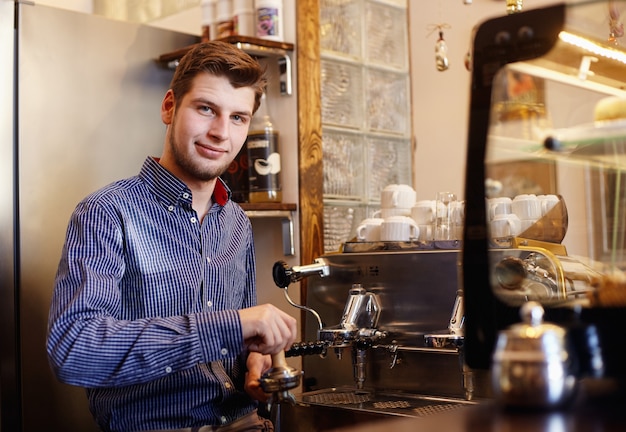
(546, 179)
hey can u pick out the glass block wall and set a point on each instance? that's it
(366, 128)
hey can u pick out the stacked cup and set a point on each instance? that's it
(396, 200)
(527, 207)
(393, 221)
(503, 221)
(423, 213)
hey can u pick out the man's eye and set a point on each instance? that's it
(206, 109)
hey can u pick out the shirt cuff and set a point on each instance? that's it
(220, 335)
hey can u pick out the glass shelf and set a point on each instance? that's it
(259, 48)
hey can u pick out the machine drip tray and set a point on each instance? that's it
(409, 405)
(333, 408)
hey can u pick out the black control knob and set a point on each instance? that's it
(281, 273)
(305, 348)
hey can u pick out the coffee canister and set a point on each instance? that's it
(269, 19)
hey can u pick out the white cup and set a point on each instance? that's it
(398, 228)
(505, 225)
(526, 207)
(369, 230)
(498, 205)
(398, 196)
(423, 212)
(547, 202)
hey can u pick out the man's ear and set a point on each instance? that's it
(167, 107)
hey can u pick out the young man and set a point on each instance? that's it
(154, 307)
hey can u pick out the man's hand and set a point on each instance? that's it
(267, 329)
(257, 364)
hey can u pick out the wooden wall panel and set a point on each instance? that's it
(311, 204)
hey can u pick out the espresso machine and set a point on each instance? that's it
(383, 335)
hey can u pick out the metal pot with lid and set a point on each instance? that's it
(532, 365)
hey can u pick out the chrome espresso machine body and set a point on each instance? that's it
(383, 336)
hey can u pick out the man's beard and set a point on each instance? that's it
(189, 166)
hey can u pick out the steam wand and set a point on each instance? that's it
(284, 275)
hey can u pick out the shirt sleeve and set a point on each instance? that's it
(91, 344)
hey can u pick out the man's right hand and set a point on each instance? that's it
(267, 329)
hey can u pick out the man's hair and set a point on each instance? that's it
(223, 60)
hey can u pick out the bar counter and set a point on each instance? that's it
(599, 407)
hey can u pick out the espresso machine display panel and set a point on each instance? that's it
(545, 190)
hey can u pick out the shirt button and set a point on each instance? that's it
(168, 370)
(185, 195)
(193, 219)
(224, 351)
(209, 303)
(171, 208)
(224, 420)
(208, 260)
(227, 385)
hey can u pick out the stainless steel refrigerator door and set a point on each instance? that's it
(89, 113)
(9, 359)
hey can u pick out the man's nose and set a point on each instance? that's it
(219, 127)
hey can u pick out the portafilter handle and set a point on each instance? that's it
(279, 379)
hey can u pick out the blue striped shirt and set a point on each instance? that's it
(143, 313)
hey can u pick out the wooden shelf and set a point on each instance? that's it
(255, 46)
(268, 206)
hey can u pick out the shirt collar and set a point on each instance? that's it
(221, 193)
(171, 189)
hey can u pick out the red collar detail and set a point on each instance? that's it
(220, 193)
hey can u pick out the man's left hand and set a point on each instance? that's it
(257, 364)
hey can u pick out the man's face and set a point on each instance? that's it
(207, 129)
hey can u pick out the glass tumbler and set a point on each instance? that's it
(444, 222)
